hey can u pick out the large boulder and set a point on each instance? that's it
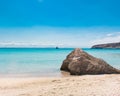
(79, 62)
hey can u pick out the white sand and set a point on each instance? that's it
(89, 85)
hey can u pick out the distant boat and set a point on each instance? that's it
(57, 47)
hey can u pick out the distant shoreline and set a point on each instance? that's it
(39, 47)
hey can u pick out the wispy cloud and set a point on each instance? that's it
(110, 34)
(113, 34)
(45, 36)
(29, 44)
(109, 38)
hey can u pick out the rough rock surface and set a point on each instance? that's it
(108, 45)
(79, 62)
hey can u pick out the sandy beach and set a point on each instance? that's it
(88, 85)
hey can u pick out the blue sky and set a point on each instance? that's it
(65, 23)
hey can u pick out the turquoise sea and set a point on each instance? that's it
(45, 61)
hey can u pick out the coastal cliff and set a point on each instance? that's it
(108, 45)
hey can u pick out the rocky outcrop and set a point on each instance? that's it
(108, 45)
(79, 62)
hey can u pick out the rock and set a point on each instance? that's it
(108, 45)
(79, 62)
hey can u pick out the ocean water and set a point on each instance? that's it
(45, 61)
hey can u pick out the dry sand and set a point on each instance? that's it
(88, 85)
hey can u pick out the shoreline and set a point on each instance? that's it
(58, 75)
(85, 85)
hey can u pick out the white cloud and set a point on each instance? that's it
(45, 36)
(29, 44)
(113, 34)
(110, 38)
(109, 34)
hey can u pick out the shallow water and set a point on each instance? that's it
(45, 61)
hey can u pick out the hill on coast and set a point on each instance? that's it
(107, 45)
